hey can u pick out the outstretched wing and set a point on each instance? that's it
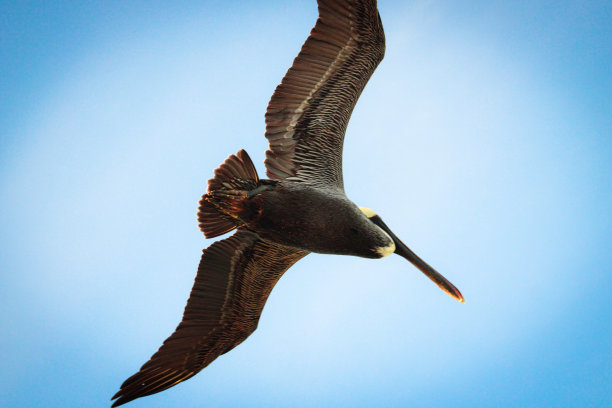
(232, 285)
(307, 116)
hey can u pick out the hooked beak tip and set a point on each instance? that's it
(449, 288)
(459, 297)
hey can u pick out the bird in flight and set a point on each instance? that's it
(301, 208)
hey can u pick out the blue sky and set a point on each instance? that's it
(483, 140)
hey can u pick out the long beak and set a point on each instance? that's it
(402, 250)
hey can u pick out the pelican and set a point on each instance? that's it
(301, 208)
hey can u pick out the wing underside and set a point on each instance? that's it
(234, 279)
(309, 111)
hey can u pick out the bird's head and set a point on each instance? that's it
(401, 249)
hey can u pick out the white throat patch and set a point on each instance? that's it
(387, 250)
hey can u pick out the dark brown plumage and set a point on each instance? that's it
(301, 209)
(233, 282)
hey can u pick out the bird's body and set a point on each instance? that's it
(302, 208)
(318, 220)
(296, 215)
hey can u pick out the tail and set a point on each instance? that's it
(220, 206)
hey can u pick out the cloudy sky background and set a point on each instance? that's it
(483, 139)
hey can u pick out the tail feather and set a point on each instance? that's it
(219, 207)
(234, 172)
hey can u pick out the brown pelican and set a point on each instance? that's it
(302, 208)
